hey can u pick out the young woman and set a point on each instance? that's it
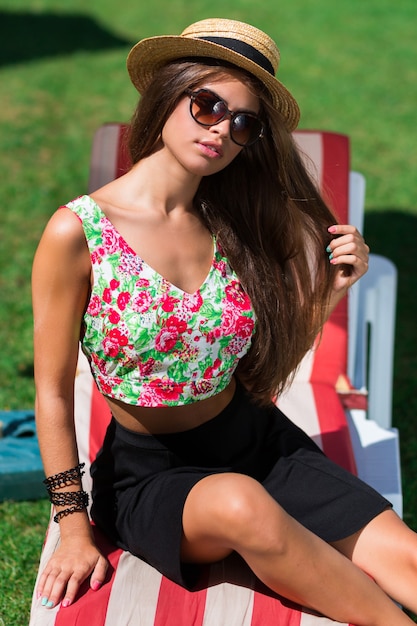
(196, 283)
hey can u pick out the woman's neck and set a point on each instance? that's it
(164, 182)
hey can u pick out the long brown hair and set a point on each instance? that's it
(269, 219)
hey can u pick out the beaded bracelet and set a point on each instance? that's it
(64, 479)
(77, 499)
(69, 497)
(72, 509)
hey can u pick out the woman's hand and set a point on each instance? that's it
(347, 248)
(72, 562)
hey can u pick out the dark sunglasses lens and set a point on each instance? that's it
(245, 129)
(207, 109)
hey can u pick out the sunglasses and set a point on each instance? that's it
(208, 109)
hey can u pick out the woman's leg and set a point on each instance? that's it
(233, 512)
(387, 550)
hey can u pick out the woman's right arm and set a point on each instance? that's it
(60, 289)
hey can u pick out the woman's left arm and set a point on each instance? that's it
(347, 248)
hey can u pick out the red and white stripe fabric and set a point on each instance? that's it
(134, 593)
(313, 401)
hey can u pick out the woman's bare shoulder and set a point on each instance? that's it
(64, 229)
(63, 245)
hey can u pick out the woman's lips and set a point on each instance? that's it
(211, 149)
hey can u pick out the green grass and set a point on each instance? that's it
(353, 67)
(22, 526)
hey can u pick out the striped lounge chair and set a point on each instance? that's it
(322, 400)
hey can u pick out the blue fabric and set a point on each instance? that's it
(21, 471)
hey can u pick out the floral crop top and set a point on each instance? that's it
(148, 342)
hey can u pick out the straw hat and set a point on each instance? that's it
(243, 45)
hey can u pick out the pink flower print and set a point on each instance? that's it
(236, 295)
(166, 339)
(99, 363)
(201, 387)
(237, 345)
(123, 299)
(168, 303)
(167, 390)
(124, 246)
(244, 327)
(147, 367)
(208, 374)
(110, 240)
(217, 363)
(108, 384)
(210, 371)
(105, 388)
(168, 335)
(110, 346)
(96, 258)
(180, 325)
(130, 264)
(229, 319)
(142, 302)
(212, 335)
(107, 297)
(114, 284)
(234, 323)
(94, 306)
(114, 317)
(142, 282)
(193, 302)
(148, 397)
(117, 336)
(221, 266)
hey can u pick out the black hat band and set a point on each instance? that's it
(244, 49)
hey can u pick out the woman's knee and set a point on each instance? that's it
(232, 507)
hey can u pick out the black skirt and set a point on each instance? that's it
(141, 482)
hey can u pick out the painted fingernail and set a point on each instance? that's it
(330, 256)
(50, 604)
(44, 601)
(95, 586)
(38, 595)
(65, 602)
(332, 229)
(328, 249)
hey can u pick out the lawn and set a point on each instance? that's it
(352, 66)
